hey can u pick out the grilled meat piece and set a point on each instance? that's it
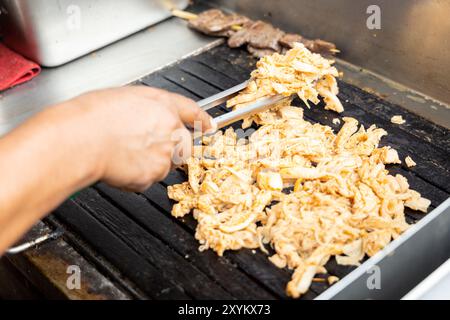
(320, 46)
(259, 53)
(316, 46)
(214, 22)
(259, 35)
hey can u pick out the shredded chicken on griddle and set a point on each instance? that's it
(298, 187)
(299, 72)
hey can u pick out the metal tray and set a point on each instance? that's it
(53, 32)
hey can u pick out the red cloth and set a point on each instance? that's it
(15, 69)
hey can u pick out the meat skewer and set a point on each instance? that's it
(261, 38)
(213, 22)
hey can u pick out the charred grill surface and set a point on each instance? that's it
(159, 255)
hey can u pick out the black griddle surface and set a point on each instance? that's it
(157, 255)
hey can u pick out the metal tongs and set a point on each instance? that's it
(239, 114)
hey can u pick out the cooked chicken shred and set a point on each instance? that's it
(410, 162)
(336, 121)
(398, 120)
(298, 187)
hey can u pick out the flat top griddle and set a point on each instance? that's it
(134, 241)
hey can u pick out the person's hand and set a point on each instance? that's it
(125, 137)
(138, 131)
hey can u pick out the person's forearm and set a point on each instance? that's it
(42, 163)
